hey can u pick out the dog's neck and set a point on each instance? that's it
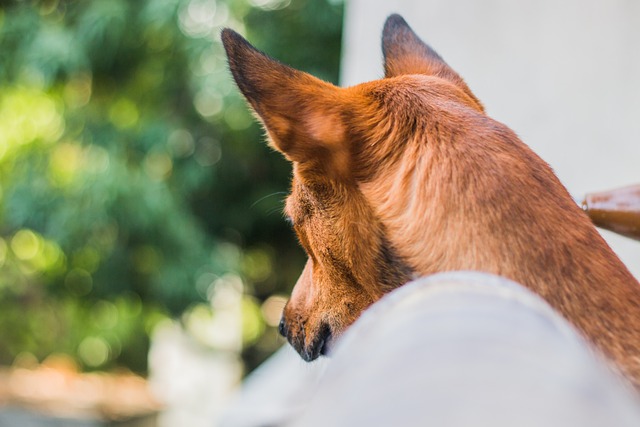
(447, 203)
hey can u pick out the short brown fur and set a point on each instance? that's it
(406, 176)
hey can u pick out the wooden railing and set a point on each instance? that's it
(616, 210)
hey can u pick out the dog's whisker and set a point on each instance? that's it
(266, 197)
(274, 210)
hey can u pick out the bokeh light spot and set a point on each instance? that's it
(96, 159)
(204, 283)
(129, 305)
(237, 117)
(26, 116)
(93, 351)
(50, 259)
(227, 255)
(257, 264)
(272, 309)
(180, 143)
(208, 152)
(208, 104)
(86, 258)
(65, 162)
(252, 324)
(197, 19)
(158, 165)
(26, 245)
(25, 360)
(105, 314)
(77, 92)
(124, 114)
(79, 282)
(270, 4)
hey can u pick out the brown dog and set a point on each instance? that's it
(406, 176)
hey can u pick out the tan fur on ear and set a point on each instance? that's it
(405, 53)
(327, 128)
(301, 114)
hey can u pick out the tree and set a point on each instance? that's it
(133, 176)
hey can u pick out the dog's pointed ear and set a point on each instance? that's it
(405, 53)
(301, 114)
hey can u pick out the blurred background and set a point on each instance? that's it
(139, 206)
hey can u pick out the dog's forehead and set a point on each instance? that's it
(409, 84)
(417, 90)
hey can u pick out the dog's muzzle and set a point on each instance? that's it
(319, 345)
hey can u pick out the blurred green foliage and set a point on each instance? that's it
(133, 178)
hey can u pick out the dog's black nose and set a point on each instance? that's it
(282, 328)
(319, 345)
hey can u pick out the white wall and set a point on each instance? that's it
(564, 74)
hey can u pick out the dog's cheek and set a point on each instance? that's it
(344, 307)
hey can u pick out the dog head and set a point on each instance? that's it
(341, 142)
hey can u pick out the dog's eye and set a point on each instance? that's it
(289, 220)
